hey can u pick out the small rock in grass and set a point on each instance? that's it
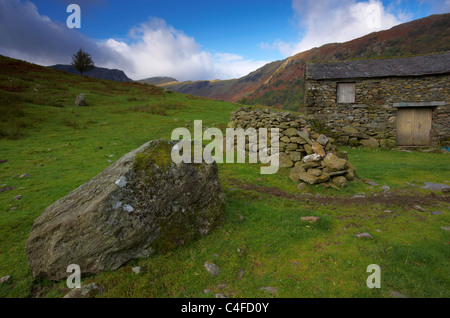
(25, 175)
(136, 269)
(364, 235)
(241, 273)
(436, 213)
(86, 291)
(419, 208)
(6, 189)
(396, 294)
(370, 182)
(386, 188)
(212, 268)
(220, 296)
(312, 219)
(4, 279)
(435, 186)
(269, 289)
(447, 228)
(17, 198)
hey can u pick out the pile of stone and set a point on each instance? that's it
(329, 169)
(313, 157)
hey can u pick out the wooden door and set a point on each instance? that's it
(414, 126)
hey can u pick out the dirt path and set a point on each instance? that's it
(402, 198)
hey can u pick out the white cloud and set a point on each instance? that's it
(329, 21)
(27, 35)
(153, 48)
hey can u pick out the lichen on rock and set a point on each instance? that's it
(142, 204)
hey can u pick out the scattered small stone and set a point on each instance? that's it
(220, 296)
(25, 175)
(447, 228)
(241, 274)
(388, 211)
(301, 186)
(396, 294)
(110, 161)
(269, 289)
(3, 160)
(86, 291)
(358, 196)
(212, 268)
(378, 230)
(6, 189)
(419, 208)
(136, 269)
(17, 198)
(4, 279)
(207, 291)
(222, 286)
(435, 186)
(364, 235)
(410, 184)
(386, 188)
(312, 219)
(13, 208)
(216, 255)
(436, 213)
(370, 182)
(110, 156)
(241, 218)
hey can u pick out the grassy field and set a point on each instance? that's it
(263, 243)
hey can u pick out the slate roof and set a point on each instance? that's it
(407, 66)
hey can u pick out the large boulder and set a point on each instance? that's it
(142, 204)
(81, 100)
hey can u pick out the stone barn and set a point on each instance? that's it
(382, 102)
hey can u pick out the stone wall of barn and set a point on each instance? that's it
(371, 119)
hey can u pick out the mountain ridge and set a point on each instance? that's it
(96, 72)
(280, 83)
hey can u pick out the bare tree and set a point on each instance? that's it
(82, 61)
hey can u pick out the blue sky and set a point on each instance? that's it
(193, 39)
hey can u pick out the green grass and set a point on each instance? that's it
(263, 235)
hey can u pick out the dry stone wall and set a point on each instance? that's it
(313, 157)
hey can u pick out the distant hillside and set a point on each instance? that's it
(229, 90)
(280, 84)
(158, 80)
(96, 72)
